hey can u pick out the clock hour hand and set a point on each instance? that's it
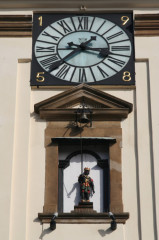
(58, 63)
(70, 44)
(91, 39)
(83, 45)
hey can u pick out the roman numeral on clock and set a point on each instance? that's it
(82, 75)
(103, 73)
(83, 23)
(114, 35)
(45, 49)
(120, 48)
(65, 26)
(118, 62)
(63, 71)
(49, 35)
(47, 62)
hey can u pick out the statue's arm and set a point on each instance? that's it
(92, 185)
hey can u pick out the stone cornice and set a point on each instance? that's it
(21, 25)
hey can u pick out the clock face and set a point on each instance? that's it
(83, 49)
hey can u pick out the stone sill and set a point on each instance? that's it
(83, 218)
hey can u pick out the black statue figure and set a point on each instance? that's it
(86, 184)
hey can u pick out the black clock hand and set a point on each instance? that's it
(81, 46)
(104, 52)
(58, 63)
(84, 44)
(70, 44)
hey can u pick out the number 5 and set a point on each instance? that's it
(40, 78)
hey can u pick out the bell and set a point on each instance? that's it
(84, 118)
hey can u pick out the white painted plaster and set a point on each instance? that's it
(22, 171)
(82, 231)
(10, 50)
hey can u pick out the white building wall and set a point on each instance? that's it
(23, 153)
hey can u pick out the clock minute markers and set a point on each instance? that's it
(108, 30)
(101, 26)
(92, 24)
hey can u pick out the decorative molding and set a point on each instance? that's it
(21, 25)
(61, 106)
(24, 60)
(70, 5)
(146, 25)
(15, 25)
(84, 218)
(103, 87)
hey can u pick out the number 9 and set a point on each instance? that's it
(124, 19)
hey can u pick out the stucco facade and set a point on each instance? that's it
(22, 171)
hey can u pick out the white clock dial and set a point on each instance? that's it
(83, 49)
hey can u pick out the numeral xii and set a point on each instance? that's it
(83, 23)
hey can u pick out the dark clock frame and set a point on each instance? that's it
(49, 18)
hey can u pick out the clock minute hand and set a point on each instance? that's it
(58, 63)
(104, 52)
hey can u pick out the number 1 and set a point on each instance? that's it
(40, 21)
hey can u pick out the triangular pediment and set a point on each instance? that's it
(63, 105)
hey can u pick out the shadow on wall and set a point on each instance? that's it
(103, 233)
(45, 232)
(36, 117)
(75, 188)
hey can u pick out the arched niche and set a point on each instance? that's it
(68, 187)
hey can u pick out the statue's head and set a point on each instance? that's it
(86, 170)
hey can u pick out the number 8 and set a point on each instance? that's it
(126, 76)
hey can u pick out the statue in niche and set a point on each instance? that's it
(86, 185)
